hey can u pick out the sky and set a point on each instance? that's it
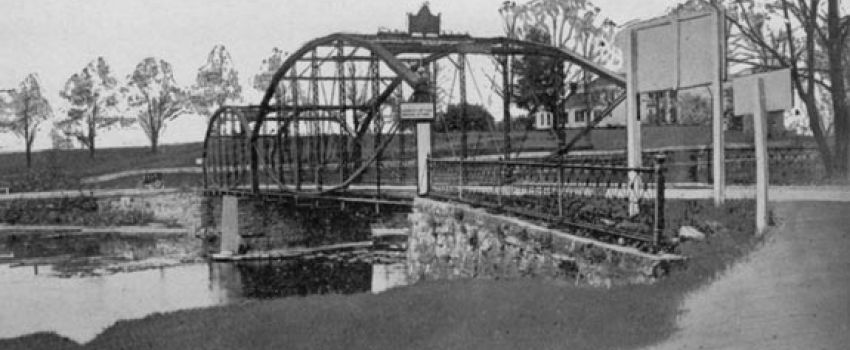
(56, 38)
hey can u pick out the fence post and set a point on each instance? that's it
(462, 178)
(500, 181)
(560, 189)
(429, 169)
(658, 220)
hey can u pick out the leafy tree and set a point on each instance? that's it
(95, 103)
(268, 67)
(155, 96)
(217, 82)
(477, 119)
(24, 111)
(540, 83)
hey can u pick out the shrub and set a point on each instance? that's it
(82, 210)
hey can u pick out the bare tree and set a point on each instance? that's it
(26, 109)
(95, 101)
(576, 25)
(773, 34)
(156, 97)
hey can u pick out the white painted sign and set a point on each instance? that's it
(417, 111)
(777, 92)
(677, 52)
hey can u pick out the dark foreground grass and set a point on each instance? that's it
(461, 314)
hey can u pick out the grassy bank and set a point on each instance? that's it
(63, 169)
(461, 314)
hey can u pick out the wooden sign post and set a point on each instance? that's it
(422, 113)
(760, 128)
(759, 94)
(669, 54)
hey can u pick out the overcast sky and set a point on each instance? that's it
(56, 38)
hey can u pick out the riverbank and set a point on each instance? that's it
(478, 313)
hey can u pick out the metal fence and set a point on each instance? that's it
(789, 165)
(619, 204)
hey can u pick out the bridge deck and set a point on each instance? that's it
(389, 194)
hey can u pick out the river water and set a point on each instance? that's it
(88, 284)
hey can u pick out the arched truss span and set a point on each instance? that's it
(329, 116)
(226, 147)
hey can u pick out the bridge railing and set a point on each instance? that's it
(789, 165)
(611, 203)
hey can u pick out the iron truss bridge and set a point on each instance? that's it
(329, 122)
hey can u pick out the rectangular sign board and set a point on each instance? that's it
(777, 92)
(677, 52)
(421, 111)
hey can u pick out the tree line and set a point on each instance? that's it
(149, 97)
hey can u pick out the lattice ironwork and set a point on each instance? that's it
(328, 118)
(789, 165)
(608, 202)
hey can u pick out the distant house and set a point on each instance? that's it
(543, 120)
(586, 104)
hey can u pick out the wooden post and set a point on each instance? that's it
(423, 151)
(762, 175)
(719, 156)
(633, 137)
(423, 132)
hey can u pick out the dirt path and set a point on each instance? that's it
(792, 293)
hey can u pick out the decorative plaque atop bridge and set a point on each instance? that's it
(424, 22)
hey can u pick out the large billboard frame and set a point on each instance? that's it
(675, 70)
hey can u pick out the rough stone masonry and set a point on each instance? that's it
(450, 240)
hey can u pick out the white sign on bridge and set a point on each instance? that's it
(421, 111)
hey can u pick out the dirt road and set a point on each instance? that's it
(792, 293)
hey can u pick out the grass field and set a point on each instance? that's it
(107, 160)
(461, 314)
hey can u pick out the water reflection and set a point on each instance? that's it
(33, 299)
(82, 307)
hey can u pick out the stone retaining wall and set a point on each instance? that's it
(450, 240)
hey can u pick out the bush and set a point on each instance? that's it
(40, 180)
(83, 210)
